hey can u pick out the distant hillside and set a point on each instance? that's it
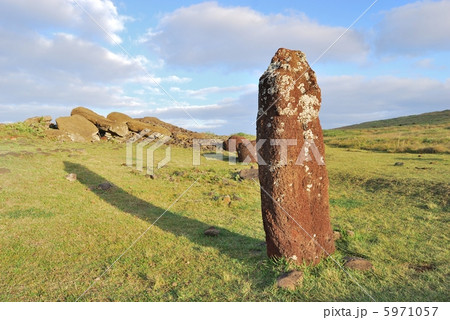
(437, 117)
(423, 133)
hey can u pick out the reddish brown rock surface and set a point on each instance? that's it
(232, 143)
(247, 152)
(293, 187)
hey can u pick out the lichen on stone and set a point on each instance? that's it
(285, 86)
(308, 134)
(309, 113)
(301, 87)
(289, 110)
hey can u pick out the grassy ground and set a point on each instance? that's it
(413, 139)
(57, 237)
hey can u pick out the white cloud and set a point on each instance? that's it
(227, 116)
(206, 34)
(345, 100)
(198, 125)
(151, 79)
(203, 93)
(354, 99)
(64, 53)
(62, 70)
(415, 28)
(24, 95)
(23, 14)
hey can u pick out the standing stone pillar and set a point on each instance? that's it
(294, 183)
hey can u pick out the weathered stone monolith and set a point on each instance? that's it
(294, 181)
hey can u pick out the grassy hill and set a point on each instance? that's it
(58, 238)
(430, 118)
(425, 133)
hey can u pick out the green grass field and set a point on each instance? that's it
(58, 237)
(424, 133)
(429, 118)
(412, 139)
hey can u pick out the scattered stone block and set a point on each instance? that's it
(226, 200)
(39, 121)
(290, 280)
(211, 232)
(356, 263)
(71, 177)
(105, 186)
(232, 143)
(247, 152)
(336, 235)
(249, 174)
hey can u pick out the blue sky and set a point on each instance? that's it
(197, 64)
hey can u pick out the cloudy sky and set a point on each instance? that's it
(197, 64)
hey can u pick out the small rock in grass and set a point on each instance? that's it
(226, 200)
(236, 198)
(350, 233)
(290, 280)
(398, 164)
(179, 173)
(71, 177)
(105, 186)
(356, 263)
(249, 174)
(422, 267)
(4, 170)
(212, 232)
(336, 235)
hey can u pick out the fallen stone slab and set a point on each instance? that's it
(104, 124)
(78, 128)
(119, 117)
(138, 126)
